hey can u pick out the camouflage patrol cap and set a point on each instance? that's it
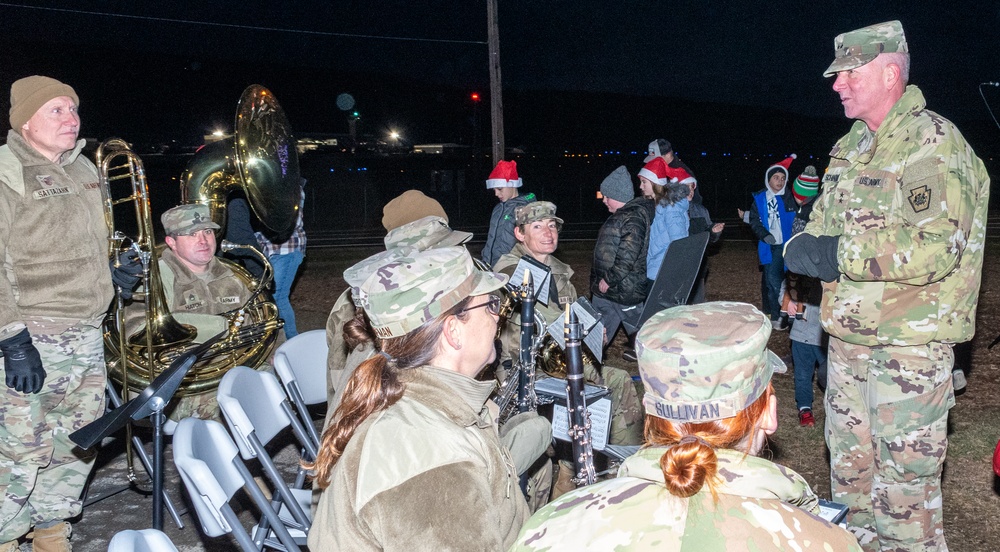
(537, 210)
(425, 233)
(356, 275)
(410, 290)
(187, 219)
(705, 362)
(858, 47)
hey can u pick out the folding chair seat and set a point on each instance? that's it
(300, 364)
(209, 464)
(256, 409)
(146, 540)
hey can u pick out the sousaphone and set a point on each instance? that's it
(261, 160)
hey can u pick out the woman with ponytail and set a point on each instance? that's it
(697, 483)
(412, 459)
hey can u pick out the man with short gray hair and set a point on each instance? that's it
(897, 235)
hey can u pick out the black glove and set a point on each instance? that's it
(769, 239)
(22, 363)
(128, 272)
(827, 265)
(813, 256)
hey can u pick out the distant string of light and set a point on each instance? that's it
(237, 26)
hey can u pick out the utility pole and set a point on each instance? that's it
(496, 87)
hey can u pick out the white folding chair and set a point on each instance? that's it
(300, 364)
(257, 410)
(146, 540)
(209, 464)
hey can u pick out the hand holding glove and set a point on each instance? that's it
(22, 363)
(126, 271)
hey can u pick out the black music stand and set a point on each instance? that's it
(674, 281)
(149, 403)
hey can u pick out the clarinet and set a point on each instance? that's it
(576, 404)
(526, 365)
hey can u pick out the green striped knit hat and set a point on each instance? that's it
(806, 185)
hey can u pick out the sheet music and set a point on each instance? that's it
(833, 512)
(600, 422)
(590, 322)
(541, 276)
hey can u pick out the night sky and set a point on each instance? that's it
(140, 65)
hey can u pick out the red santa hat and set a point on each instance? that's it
(782, 165)
(504, 175)
(656, 171)
(679, 175)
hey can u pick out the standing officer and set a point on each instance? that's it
(53, 295)
(897, 235)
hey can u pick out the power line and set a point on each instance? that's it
(236, 26)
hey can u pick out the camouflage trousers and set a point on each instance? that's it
(627, 416)
(886, 426)
(42, 472)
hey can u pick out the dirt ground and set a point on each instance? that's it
(971, 491)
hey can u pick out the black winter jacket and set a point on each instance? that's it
(620, 253)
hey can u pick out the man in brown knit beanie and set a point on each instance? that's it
(52, 301)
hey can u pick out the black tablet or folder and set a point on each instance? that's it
(678, 272)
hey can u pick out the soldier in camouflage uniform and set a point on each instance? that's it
(412, 220)
(198, 288)
(897, 236)
(537, 234)
(53, 296)
(697, 484)
(420, 449)
(526, 435)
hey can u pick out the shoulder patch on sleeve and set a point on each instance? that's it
(923, 187)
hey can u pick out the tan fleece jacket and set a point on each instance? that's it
(53, 238)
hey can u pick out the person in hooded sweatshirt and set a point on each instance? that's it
(771, 214)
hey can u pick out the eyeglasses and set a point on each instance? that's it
(492, 305)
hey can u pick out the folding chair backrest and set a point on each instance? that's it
(203, 454)
(256, 409)
(146, 540)
(251, 402)
(209, 464)
(302, 359)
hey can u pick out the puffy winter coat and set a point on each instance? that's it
(620, 253)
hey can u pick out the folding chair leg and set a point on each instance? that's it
(265, 507)
(299, 430)
(300, 406)
(286, 495)
(242, 537)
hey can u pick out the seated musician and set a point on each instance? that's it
(698, 483)
(198, 288)
(416, 223)
(413, 460)
(412, 220)
(537, 233)
(195, 282)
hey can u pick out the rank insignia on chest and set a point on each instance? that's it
(920, 198)
(192, 302)
(45, 180)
